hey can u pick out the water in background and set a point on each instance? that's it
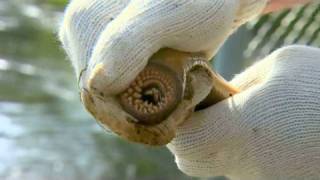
(44, 131)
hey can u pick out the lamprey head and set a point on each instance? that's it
(172, 86)
(153, 95)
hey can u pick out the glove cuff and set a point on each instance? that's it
(248, 10)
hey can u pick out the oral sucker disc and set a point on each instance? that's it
(171, 87)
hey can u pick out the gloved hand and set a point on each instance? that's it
(269, 131)
(121, 35)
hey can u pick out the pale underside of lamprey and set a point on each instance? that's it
(172, 86)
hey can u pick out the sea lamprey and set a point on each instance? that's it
(172, 86)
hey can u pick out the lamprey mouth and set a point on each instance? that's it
(153, 95)
(172, 86)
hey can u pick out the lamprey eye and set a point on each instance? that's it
(153, 95)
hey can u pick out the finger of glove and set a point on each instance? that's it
(84, 20)
(145, 26)
(280, 114)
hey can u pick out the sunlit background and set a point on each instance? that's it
(46, 134)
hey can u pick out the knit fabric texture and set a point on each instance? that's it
(270, 131)
(121, 35)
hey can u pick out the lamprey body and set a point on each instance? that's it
(172, 86)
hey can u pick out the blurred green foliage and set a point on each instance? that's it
(55, 3)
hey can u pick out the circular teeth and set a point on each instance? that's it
(153, 95)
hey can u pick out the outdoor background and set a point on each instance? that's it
(45, 133)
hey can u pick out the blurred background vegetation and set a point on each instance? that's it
(260, 37)
(46, 134)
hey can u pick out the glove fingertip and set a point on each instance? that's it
(117, 61)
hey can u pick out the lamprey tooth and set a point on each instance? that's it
(162, 82)
(159, 83)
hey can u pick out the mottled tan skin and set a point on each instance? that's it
(200, 87)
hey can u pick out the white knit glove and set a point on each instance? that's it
(121, 35)
(270, 131)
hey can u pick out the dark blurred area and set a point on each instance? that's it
(45, 132)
